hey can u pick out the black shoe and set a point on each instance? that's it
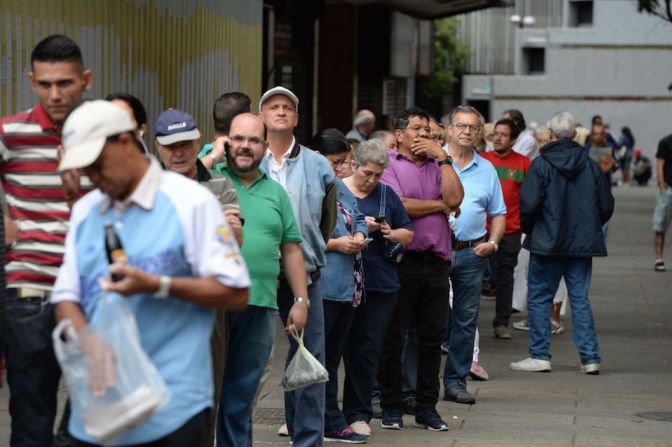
(376, 409)
(392, 420)
(409, 405)
(428, 418)
(458, 393)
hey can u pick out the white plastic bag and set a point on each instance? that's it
(304, 369)
(113, 385)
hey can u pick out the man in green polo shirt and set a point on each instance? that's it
(271, 234)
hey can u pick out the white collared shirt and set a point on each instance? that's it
(278, 171)
(144, 193)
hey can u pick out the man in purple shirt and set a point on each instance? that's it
(422, 175)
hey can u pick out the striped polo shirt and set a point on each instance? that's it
(35, 198)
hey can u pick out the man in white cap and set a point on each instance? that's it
(310, 183)
(182, 263)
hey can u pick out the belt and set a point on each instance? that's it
(460, 245)
(29, 292)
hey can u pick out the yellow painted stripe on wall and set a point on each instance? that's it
(169, 53)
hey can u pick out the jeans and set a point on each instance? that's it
(304, 407)
(362, 353)
(251, 334)
(543, 279)
(338, 316)
(505, 261)
(466, 275)
(423, 300)
(33, 373)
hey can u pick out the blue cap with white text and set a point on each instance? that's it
(175, 125)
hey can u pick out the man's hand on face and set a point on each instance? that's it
(426, 146)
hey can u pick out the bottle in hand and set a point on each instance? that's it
(114, 249)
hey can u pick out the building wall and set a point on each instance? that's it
(169, 53)
(619, 68)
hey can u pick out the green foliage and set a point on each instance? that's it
(660, 8)
(450, 58)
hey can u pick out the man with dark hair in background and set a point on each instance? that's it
(226, 108)
(526, 144)
(39, 204)
(511, 170)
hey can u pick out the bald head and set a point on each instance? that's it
(250, 122)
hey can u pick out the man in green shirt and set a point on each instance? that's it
(271, 234)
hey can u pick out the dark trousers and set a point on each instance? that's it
(505, 261)
(33, 373)
(362, 353)
(338, 316)
(423, 300)
(192, 433)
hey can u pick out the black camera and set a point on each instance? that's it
(394, 251)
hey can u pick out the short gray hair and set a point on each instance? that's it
(562, 125)
(371, 151)
(448, 119)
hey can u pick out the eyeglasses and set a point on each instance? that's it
(472, 127)
(240, 139)
(419, 129)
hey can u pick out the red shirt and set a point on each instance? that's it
(511, 171)
(35, 198)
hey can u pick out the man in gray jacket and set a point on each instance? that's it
(310, 183)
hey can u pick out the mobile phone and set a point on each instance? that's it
(379, 219)
(367, 241)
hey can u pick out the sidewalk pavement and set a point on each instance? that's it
(632, 305)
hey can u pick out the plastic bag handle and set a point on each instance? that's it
(298, 337)
(64, 327)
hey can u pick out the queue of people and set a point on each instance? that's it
(353, 240)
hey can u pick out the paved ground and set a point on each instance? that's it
(633, 313)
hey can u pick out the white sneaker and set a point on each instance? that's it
(361, 428)
(283, 431)
(531, 365)
(591, 368)
(521, 325)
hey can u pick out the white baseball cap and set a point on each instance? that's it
(86, 130)
(279, 90)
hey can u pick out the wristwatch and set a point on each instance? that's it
(494, 244)
(212, 156)
(300, 299)
(164, 287)
(446, 161)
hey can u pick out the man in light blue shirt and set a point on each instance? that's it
(182, 263)
(472, 245)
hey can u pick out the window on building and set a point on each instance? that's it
(580, 13)
(534, 60)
